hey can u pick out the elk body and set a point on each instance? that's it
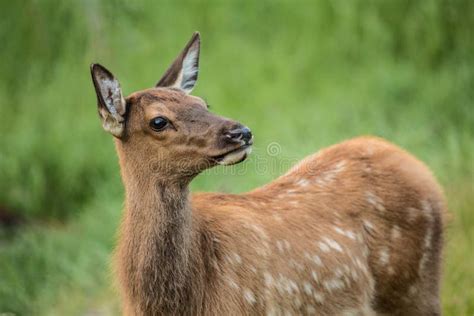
(355, 229)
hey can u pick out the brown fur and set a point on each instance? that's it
(355, 229)
(211, 253)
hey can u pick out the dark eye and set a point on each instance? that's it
(158, 123)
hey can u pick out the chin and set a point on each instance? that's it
(235, 157)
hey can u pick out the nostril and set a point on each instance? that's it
(235, 134)
(239, 134)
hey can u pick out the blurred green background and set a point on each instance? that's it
(303, 74)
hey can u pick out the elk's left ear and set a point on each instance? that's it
(183, 72)
(110, 101)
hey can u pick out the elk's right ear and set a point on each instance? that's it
(110, 101)
(183, 72)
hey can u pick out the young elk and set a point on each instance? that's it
(353, 230)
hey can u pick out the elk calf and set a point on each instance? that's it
(355, 229)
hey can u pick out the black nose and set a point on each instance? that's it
(238, 134)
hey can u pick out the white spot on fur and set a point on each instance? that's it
(338, 272)
(360, 265)
(249, 296)
(285, 285)
(333, 244)
(328, 176)
(384, 256)
(302, 182)
(347, 233)
(354, 274)
(263, 249)
(279, 245)
(368, 225)
(315, 276)
(237, 258)
(232, 283)
(428, 238)
(346, 268)
(293, 285)
(307, 287)
(259, 230)
(374, 200)
(350, 234)
(319, 297)
(395, 232)
(317, 260)
(339, 231)
(333, 284)
(427, 211)
(323, 247)
(370, 198)
(427, 245)
(358, 262)
(268, 279)
(279, 283)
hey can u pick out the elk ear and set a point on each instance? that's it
(183, 72)
(110, 101)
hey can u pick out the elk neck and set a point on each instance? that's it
(156, 236)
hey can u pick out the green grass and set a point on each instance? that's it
(302, 75)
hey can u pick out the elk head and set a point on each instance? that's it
(165, 129)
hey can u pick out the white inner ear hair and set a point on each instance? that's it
(112, 95)
(189, 71)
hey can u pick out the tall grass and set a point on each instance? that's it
(302, 74)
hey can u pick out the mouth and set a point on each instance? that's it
(234, 156)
